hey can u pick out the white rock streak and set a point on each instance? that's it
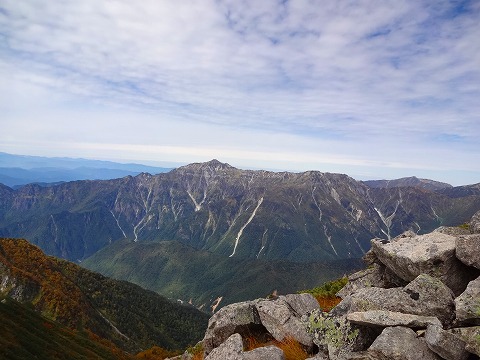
(388, 220)
(245, 225)
(118, 224)
(263, 243)
(329, 238)
(56, 229)
(316, 204)
(198, 206)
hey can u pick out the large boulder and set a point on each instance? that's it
(262, 319)
(445, 344)
(424, 296)
(400, 343)
(475, 223)
(468, 249)
(281, 322)
(241, 318)
(432, 254)
(471, 336)
(467, 305)
(264, 353)
(389, 318)
(300, 303)
(375, 276)
(231, 349)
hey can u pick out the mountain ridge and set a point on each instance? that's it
(213, 206)
(123, 313)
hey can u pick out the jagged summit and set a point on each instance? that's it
(213, 164)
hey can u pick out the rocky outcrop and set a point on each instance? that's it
(475, 223)
(432, 254)
(418, 299)
(264, 319)
(445, 344)
(468, 249)
(400, 343)
(468, 304)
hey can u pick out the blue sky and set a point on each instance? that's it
(373, 89)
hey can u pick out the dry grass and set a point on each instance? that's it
(292, 349)
(327, 303)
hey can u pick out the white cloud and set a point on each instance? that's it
(345, 79)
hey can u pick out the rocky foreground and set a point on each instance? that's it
(419, 298)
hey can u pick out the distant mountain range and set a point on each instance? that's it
(124, 314)
(208, 230)
(18, 170)
(301, 217)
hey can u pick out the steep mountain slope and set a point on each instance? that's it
(179, 271)
(212, 206)
(26, 335)
(412, 181)
(129, 316)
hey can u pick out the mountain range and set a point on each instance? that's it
(301, 217)
(214, 234)
(18, 170)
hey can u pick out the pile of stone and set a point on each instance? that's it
(419, 298)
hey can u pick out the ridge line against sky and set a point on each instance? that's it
(374, 89)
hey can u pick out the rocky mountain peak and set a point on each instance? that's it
(212, 165)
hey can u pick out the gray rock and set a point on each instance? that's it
(445, 344)
(239, 318)
(452, 230)
(400, 343)
(264, 353)
(471, 336)
(231, 349)
(475, 223)
(301, 303)
(319, 356)
(432, 254)
(424, 296)
(468, 250)
(362, 279)
(432, 298)
(390, 318)
(280, 321)
(467, 305)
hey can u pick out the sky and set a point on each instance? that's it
(376, 89)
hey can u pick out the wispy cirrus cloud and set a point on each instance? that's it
(335, 78)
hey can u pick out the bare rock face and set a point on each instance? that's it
(445, 344)
(235, 318)
(300, 303)
(263, 319)
(375, 276)
(280, 321)
(232, 349)
(475, 223)
(432, 254)
(389, 318)
(468, 249)
(471, 336)
(400, 343)
(424, 296)
(264, 353)
(467, 305)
